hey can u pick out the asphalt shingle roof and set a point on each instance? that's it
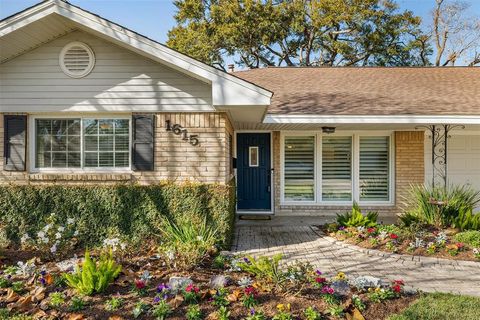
(370, 90)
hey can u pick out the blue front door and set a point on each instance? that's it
(253, 172)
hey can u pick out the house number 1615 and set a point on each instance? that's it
(179, 130)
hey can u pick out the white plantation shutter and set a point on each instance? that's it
(299, 170)
(374, 168)
(337, 168)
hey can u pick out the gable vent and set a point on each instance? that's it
(77, 59)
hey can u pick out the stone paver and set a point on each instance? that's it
(307, 244)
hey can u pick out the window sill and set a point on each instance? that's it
(91, 176)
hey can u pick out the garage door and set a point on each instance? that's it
(463, 160)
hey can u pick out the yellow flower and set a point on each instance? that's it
(341, 276)
(283, 307)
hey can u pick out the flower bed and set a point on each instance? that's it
(221, 287)
(425, 241)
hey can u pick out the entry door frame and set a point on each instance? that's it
(272, 175)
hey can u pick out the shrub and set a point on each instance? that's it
(443, 207)
(355, 218)
(94, 276)
(185, 244)
(472, 238)
(125, 210)
(263, 267)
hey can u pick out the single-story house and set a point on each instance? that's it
(85, 100)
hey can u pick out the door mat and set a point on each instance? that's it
(254, 217)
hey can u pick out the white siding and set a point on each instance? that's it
(120, 81)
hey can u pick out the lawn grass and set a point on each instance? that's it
(441, 306)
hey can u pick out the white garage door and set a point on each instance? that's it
(463, 160)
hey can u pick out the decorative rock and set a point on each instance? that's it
(341, 288)
(218, 281)
(365, 282)
(68, 265)
(178, 283)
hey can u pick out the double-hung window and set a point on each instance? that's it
(337, 169)
(79, 143)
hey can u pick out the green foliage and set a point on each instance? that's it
(220, 261)
(257, 315)
(18, 286)
(188, 242)
(309, 33)
(311, 314)
(125, 210)
(113, 304)
(139, 309)
(223, 313)
(264, 268)
(4, 282)
(94, 276)
(220, 298)
(472, 238)
(355, 218)
(56, 299)
(161, 310)
(77, 304)
(441, 306)
(194, 312)
(443, 207)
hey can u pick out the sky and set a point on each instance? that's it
(153, 18)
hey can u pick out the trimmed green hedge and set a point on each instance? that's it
(130, 211)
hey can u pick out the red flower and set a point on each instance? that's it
(371, 230)
(251, 291)
(460, 245)
(399, 282)
(140, 284)
(191, 288)
(393, 236)
(320, 280)
(397, 288)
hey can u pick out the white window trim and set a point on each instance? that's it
(33, 142)
(355, 168)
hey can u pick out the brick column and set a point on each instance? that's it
(409, 163)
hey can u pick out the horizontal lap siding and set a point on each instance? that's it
(120, 81)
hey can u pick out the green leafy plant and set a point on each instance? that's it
(336, 311)
(114, 304)
(187, 241)
(220, 298)
(94, 276)
(56, 299)
(264, 268)
(442, 207)
(472, 238)
(358, 303)
(194, 312)
(139, 309)
(161, 310)
(380, 294)
(18, 286)
(220, 261)
(77, 304)
(311, 314)
(4, 282)
(355, 218)
(223, 313)
(256, 315)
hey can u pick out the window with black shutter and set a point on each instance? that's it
(143, 142)
(15, 142)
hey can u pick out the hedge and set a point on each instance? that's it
(124, 210)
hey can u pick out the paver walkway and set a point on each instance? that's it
(308, 244)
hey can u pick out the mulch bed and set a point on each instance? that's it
(134, 265)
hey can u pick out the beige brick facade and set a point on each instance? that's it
(175, 159)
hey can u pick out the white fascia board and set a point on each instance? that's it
(22, 19)
(373, 119)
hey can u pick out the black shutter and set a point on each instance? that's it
(15, 142)
(143, 142)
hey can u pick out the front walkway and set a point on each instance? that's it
(302, 242)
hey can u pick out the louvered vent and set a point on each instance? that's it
(77, 59)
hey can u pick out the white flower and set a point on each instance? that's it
(44, 240)
(123, 246)
(476, 251)
(58, 235)
(47, 227)
(24, 238)
(61, 229)
(70, 221)
(361, 229)
(75, 233)
(41, 234)
(53, 249)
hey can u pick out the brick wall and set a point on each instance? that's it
(409, 169)
(175, 159)
(409, 162)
